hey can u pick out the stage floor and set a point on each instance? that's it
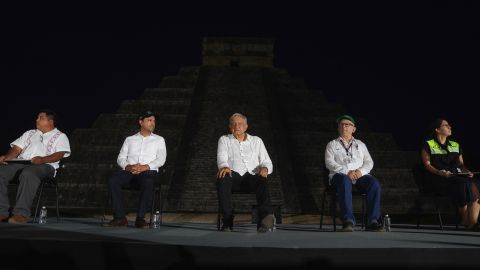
(81, 242)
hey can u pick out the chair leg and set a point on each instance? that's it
(107, 202)
(152, 206)
(218, 218)
(438, 212)
(419, 213)
(38, 201)
(363, 213)
(56, 200)
(333, 208)
(322, 209)
(160, 204)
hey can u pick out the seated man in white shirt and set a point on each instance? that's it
(243, 164)
(349, 163)
(35, 155)
(140, 158)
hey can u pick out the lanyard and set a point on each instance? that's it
(348, 149)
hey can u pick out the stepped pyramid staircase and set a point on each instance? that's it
(95, 149)
(295, 123)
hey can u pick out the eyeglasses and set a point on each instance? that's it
(345, 124)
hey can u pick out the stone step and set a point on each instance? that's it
(211, 205)
(189, 71)
(319, 123)
(130, 121)
(157, 106)
(314, 157)
(167, 93)
(116, 137)
(275, 193)
(178, 82)
(98, 173)
(314, 109)
(388, 177)
(373, 140)
(93, 155)
(93, 196)
(393, 201)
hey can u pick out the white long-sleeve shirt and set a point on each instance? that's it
(137, 149)
(242, 157)
(338, 161)
(35, 143)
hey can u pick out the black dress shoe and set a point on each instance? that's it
(226, 228)
(141, 223)
(375, 227)
(117, 222)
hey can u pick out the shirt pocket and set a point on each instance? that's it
(150, 149)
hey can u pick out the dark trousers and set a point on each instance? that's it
(245, 183)
(29, 177)
(461, 189)
(144, 182)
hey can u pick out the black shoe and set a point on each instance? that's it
(226, 228)
(375, 227)
(227, 225)
(347, 227)
(117, 222)
(141, 223)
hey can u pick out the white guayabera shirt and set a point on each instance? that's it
(35, 143)
(242, 157)
(341, 157)
(137, 149)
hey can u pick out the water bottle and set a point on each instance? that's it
(274, 227)
(43, 216)
(386, 223)
(156, 220)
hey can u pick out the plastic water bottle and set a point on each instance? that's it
(386, 223)
(43, 216)
(274, 227)
(156, 220)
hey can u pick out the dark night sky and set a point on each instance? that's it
(399, 70)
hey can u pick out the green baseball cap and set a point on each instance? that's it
(345, 116)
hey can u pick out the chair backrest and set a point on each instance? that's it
(326, 180)
(418, 171)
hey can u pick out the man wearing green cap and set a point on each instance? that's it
(349, 163)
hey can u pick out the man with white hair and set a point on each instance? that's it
(243, 164)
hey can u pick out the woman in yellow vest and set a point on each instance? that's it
(443, 161)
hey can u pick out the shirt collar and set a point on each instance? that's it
(47, 133)
(344, 142)
(248, 139)
(141, 136)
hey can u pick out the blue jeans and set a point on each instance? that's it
(368, 184)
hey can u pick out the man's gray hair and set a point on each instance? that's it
(237, 115)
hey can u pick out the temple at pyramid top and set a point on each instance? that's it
(228, 51)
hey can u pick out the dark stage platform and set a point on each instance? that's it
(81, 243)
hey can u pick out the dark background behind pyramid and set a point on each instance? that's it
(404, 68)
(236, 75)
(399, 72)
